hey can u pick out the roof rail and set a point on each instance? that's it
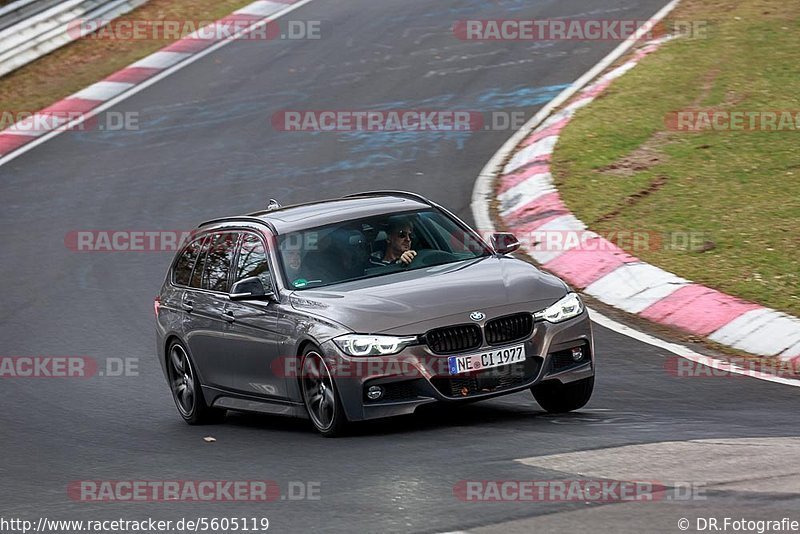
(240, 218)
(406, 194)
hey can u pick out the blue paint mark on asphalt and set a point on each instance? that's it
(188, 116)
(522, 96)
(428, 141)
(425, 141)
(366, 149)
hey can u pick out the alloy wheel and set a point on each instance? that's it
(181, 378)
(318, 391)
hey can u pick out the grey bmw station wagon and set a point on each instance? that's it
(363, 307)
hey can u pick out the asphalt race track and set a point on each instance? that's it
(205, 147)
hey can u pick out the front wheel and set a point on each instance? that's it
(186, 391)
(320, 395)
(556, 397)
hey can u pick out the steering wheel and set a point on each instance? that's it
(429, 256)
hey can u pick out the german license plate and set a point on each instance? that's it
(486, 360)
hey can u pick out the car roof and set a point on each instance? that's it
(319, 213)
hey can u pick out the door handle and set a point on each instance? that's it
(187, 305)
(228, 316)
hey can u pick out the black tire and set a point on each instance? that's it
(184, 383)
(556, 397)
(320, 396)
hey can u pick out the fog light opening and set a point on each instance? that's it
(577, 354)
(374, 392)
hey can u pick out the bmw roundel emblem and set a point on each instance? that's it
(477, 316)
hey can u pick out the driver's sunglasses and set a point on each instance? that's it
(402, 234)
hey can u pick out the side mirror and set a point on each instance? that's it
(249, 289)
(504, 242)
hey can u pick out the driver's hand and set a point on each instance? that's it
(407, 257)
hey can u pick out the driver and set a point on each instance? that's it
(398, 245)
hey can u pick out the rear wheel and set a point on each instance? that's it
(556, 397)
(186, 391)
(320, 395)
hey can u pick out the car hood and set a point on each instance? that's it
(412, 302)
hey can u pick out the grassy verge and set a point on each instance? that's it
(81, 63)
(619, 167)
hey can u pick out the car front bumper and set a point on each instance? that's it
(416, 376)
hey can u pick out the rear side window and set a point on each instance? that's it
(218, 261)
(183, 267)
(253, 261)
(197, 274)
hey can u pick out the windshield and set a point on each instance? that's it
(376, 246)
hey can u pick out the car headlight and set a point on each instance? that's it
(369, 345)
(568, 307)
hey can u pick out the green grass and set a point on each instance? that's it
(81, 63)
(740, 190)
